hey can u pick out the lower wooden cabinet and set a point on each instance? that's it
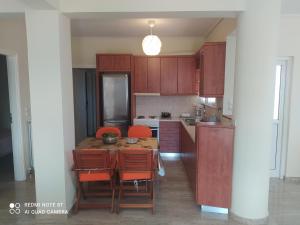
(208, 164)
(169, 136)
(214, 167)
(188, 153)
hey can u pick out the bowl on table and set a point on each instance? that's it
(109, 138)
(132, 140)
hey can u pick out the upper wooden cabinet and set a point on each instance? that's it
(169, 75)
(153, 79)
(212, 69)
(147, 74)
(113, 62)
(186, 75)
(140, 74)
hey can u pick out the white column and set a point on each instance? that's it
(257, 35)
(52, 110)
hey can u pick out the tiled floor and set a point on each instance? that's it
(174, 205)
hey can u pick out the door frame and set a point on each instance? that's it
(283, 142)
(16, 114)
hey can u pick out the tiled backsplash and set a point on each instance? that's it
(154, 105)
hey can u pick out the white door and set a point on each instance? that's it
(279, 96)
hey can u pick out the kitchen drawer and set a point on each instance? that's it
(169, 124)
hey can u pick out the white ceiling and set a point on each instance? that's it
(129, 27)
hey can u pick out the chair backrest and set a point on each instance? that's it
(135, 160)
(91, 159)
(139, 131)
(103, 130)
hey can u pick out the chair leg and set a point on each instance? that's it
(82, 190)
(113, 196)
(152, 196)
(78, 196)
(119, 197)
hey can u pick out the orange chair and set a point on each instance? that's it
(103, 130)
(92, 165)
(139, 131)
(136, 166)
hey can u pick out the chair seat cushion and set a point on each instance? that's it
(94, 176)
(144, 175)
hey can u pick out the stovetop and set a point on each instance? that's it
(151, 121)
(147, 117)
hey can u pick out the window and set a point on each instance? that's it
(211, 100)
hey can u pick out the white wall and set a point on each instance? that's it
(221, 31)
(289, 46)
(84, 49)
(13, 42)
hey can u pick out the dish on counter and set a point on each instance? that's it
(132, 140)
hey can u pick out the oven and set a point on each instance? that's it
(155, 132)
(153, 123)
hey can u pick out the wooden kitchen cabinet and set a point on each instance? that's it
(169, 78)
(208, 163)
(212, 69)
(186, 75)
(214, 165)
(147, 74)
(169, 136)
(153, 79)
(188, 154)
(113, 62)
(140, 74)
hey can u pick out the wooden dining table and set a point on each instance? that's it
(94, 143)
(147, 143)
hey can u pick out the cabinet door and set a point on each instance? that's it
(153, 80)
(186, 75)
(220, 51)
(122, 63)
(105, 63)
(169, 136)
(215, 166)
(168, 85)
(189, 157)
(140, 74)
(197, 83)
(212, 60)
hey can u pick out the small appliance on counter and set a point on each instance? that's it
(165, 115)
(199, 112)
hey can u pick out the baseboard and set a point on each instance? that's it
(246, 221)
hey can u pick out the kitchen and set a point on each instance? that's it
(180, 97)
(46, 39)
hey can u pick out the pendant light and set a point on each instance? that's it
(151, 43)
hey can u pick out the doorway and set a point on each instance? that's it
(6, 149)
(84, 88)
(280, 119)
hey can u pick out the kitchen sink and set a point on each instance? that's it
(192, 121)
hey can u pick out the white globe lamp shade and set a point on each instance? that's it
(151, 45)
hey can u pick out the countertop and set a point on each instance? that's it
(191, 129)
(171, 119)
